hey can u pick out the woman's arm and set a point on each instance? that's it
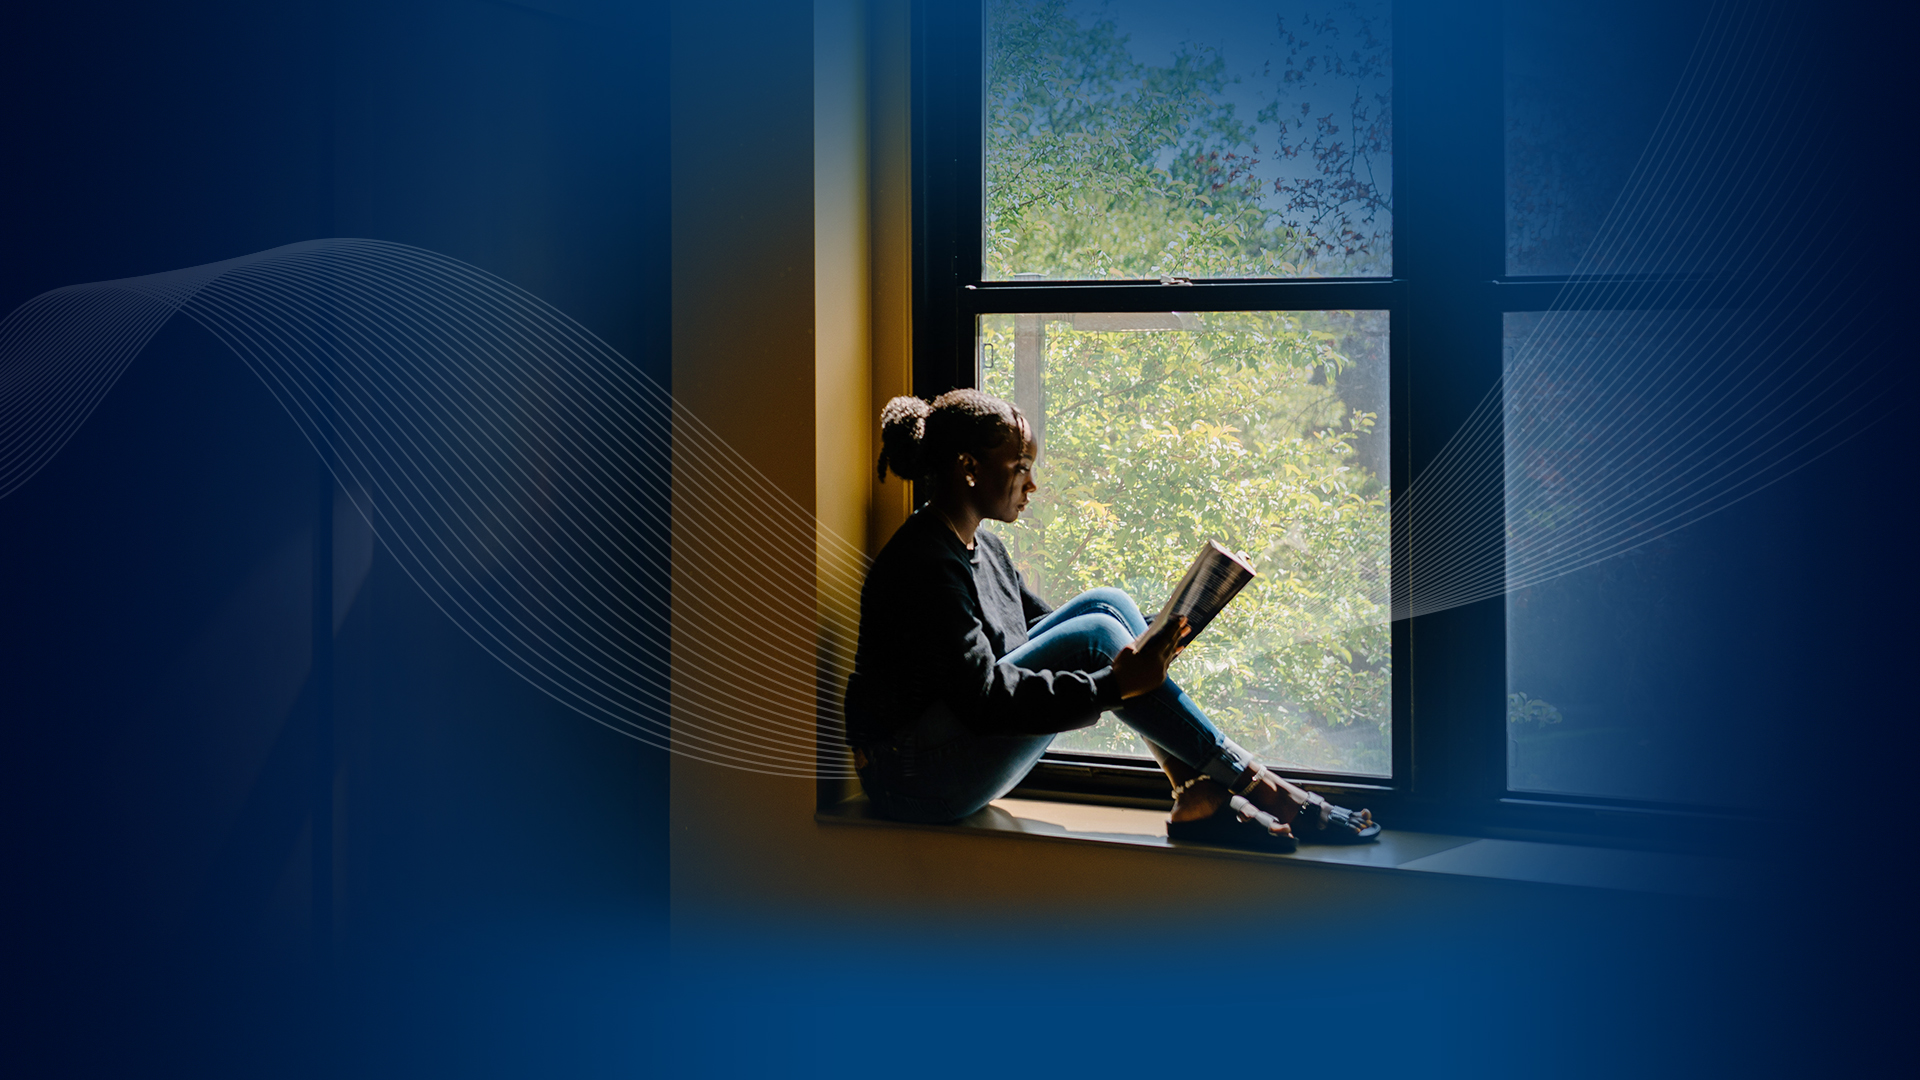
(1025, 701)
(994, 696)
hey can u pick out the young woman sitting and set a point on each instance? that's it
(963, 676)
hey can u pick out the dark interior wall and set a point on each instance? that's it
(494, 855)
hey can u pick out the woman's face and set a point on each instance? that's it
(1003, 479)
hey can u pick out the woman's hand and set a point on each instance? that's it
(1140, 667)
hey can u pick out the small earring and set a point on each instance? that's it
(969, 481)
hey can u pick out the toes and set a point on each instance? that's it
(1260, 817)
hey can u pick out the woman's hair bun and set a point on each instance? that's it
(919, 440)
(903, 424)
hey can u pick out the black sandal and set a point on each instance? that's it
(1237, 824)
(1337, 825)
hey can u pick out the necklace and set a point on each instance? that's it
(956, 529)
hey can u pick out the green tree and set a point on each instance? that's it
(1245, 427)
(1235, 430)
(1100, 166)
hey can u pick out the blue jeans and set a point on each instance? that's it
(937, 769)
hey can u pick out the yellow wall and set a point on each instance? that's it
(890, 237)
(843, 354)
(741, 112)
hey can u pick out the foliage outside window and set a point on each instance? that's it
(1274, 161)
(1128, 141)
(1264, 430)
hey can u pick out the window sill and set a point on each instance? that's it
(1396, 851)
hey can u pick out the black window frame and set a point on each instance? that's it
(1446, 301)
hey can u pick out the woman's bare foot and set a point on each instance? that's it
(1201, 800)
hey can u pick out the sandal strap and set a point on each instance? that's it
(1244, 809)
(1246, 781)
(1231, 767)
(1347, 819)
(1237, 782)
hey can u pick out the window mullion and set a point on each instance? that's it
(1449, 246)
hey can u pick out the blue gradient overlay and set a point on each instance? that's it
(214, 666)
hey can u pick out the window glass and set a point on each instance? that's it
(1266, 431)
(1586, 87)
(1643, 657)
(1135, 140)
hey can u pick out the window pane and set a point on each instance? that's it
(1586, 86)
(1135, 140)
(1643, 638)
(1266, 431)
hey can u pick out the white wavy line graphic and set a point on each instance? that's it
(514, 465)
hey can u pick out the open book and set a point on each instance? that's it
(1215, 577)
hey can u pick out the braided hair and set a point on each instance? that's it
(920, 439)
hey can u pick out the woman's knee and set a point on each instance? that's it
(1106, 634)
(1083, 641)
(1117, 603)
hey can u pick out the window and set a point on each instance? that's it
(1139, 141)
(1168, 235)
(1132, 143)
(1617, 646)
(1267, 430)
(1253, 267)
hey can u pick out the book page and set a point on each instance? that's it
(1216, 576)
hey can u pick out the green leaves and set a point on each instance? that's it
(1159, 441)
(1099, 166)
